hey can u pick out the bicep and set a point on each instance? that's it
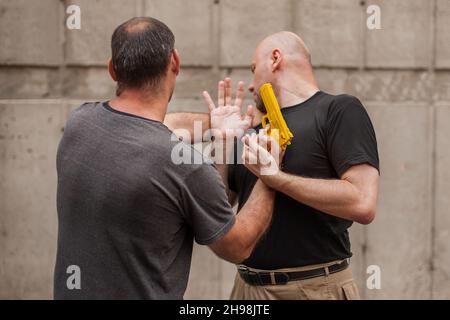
(224, 247)
(233, 245)
(366, 179)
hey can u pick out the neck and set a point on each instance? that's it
(296, 90)
(142, 104)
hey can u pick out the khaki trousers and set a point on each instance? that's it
(334, 286)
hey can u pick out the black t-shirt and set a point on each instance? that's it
(331, 134)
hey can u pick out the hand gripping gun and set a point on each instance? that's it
(278, 127)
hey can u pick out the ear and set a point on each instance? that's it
(112, 73)
(175, 62)
(277, 59)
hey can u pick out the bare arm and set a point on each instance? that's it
(353, 197)
(189, 126)
(251, 223)
(223, 171)
(254, 218)
(227, 123)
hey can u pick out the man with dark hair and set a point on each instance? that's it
(127, 214)
(141, 52)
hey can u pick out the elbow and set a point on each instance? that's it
(240, 255)
(367, 218)
(365, 214)
(232, 252)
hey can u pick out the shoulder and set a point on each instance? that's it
(340, 101)
(342, 104)
(83, 111)
(85, 107)
(79, 116)
(347, 102)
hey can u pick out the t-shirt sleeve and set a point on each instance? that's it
(350, 134)
(206, 205)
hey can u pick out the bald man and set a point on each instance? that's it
(329, 178)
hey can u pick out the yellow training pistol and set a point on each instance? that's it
(278, 127)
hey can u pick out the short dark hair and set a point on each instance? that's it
(141, 53)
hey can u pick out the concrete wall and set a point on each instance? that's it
(401, 73)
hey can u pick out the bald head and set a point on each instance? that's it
(290, 44)
(283, 60)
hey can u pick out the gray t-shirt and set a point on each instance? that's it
(127, 214)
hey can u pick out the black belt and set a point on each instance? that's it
(264, 278)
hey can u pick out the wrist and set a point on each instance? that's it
(272, 180)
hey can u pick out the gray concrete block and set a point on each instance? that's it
(29, 83)
(443, 34)
(29, 135)
(93, 83)
(92, 44)
(399, 240)
(332, 30)
(30, 32)
(191, 22)
(96, 83)
(191, 83)
(405, 38)
(332, 81)
(441, 274)
(243, 24)
(392, 86)
(384, 85)
(441, 88)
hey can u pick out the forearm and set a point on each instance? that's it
(339, 198)
(189, 126)
(221, 154)
(255, 217)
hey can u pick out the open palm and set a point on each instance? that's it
(226, 118)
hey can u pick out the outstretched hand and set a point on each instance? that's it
(226, 118)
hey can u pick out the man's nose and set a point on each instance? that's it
(251, 88)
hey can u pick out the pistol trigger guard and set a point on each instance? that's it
(264, 121)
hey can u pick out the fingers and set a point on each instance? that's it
(221, 93)
(250, 111)
(249, 116)
(227, 91)
(251, 142)
(271, 145)
(248, 156)
(209, 101)
(255, 150)
(240, 94)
